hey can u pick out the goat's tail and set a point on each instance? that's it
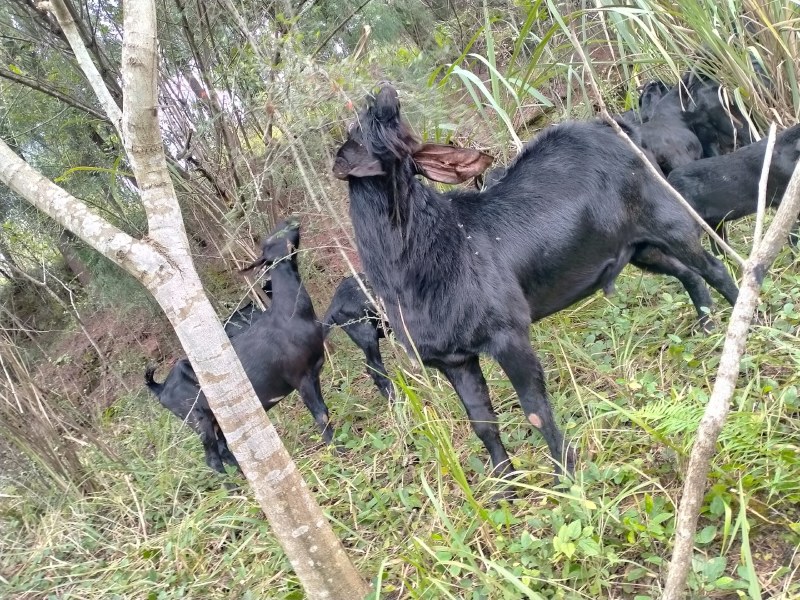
(151, 383)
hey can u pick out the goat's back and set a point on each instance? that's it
(566, 216)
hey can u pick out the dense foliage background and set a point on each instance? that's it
(103, 494)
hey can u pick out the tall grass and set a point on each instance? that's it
(37, 430)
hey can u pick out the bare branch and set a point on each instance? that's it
(338, 28)
(70, 29)
(53, 93)
(762, 187)
(74, 215)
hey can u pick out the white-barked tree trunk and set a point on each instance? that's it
(163, 264)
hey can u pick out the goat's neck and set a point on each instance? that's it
(289, 296)
(411, 238)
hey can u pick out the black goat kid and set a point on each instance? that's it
(352, 310)
(281, 351)
(465, 273)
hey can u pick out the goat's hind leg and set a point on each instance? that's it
(225, 452)
(524, 370)
(206, 430)
(709, 267)
(650, 258)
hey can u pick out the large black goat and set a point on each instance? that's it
(465, 273)
(725, 188)
(281, 351)
(352, 310)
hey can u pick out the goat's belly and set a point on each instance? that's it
(563, 290)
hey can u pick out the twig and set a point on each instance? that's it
(762, 188)
(336, 29)
(44, 89)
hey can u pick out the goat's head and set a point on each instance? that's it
(651, 92)
(380, 143)
(283, 242)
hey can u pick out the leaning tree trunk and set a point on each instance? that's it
(163, 264)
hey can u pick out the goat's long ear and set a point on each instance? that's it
(449, 164)
(353, 160)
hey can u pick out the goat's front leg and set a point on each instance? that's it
(206, 430)
(470, 385)
(365, 335)
(524, 370)
(311, 393)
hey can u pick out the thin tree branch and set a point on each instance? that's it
(762, 187)
(108, 71)
(338, 28)
(694, 486)
(70, 29)
(53, 93)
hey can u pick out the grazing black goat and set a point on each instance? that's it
(651, 95)
(690, 121)
(281, 351)
(465, 273)
(352, 310)
(725, 188)
(720, 128)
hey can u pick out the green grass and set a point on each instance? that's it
(411, 498)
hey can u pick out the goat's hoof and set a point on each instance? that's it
(570, 460)
(339, 449)
(505, 490)
(705, 324)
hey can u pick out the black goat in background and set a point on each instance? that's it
(725, 188)
(465, 273)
